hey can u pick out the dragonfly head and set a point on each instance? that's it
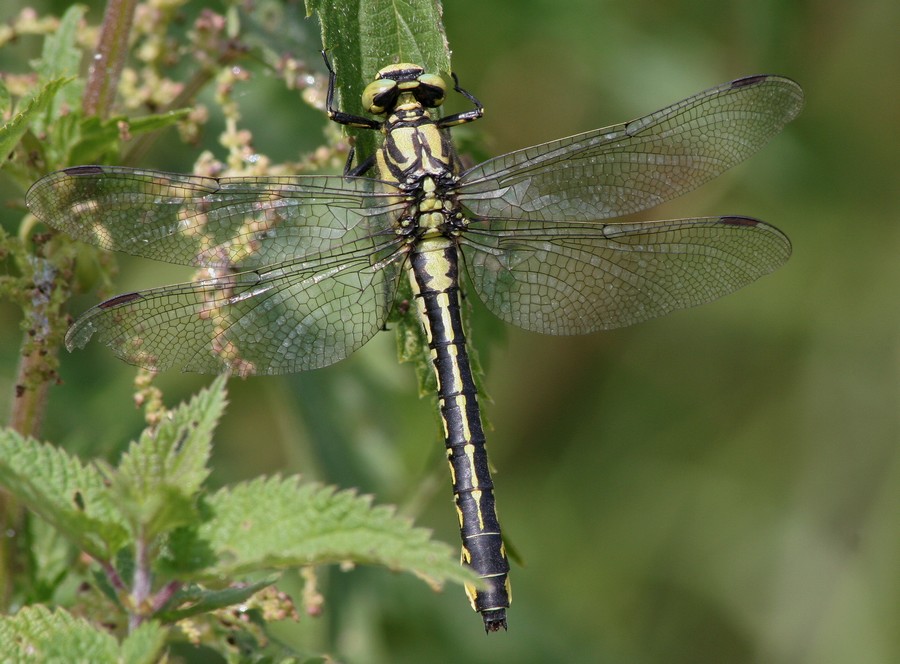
(382, 95)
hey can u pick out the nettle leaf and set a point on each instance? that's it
(144, 645)
(61, 57)
(278, 523)
(13, 130)
(37, 634)
(160, 475)
(95, 140)
(73, 497)
(362, 36)
(195, 600)
(52, 555)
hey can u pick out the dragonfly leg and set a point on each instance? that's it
(465, 116)
(337, 115)
(361, 168)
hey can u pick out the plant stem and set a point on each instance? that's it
(34, 376)
(140, 591)
(112, 575)
(42, 306)
(109, 58)
(165, 594)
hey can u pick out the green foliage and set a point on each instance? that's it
(159, 476)
(13, 130)
(37, 634)
(93, 140)
(61, 57)
(164, 546)
(246, 532)
(71, 496)
(194, 599)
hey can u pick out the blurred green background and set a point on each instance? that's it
(721, 485)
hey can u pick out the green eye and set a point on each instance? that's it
(375, 95)
(432, 90)
(434, 81)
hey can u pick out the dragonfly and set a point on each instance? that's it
(301, 271)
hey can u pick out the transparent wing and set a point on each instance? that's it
(280, 319)
(303, 269)
(577, 278)
(223, 223)
(629, 167)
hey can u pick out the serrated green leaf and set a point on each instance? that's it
(362, 36)
(52, 554)
(61, 56)
(11, 132)
(159, 476)
(196, 600)
(393, 31)
(144, 645)
(37, 634)
(71, 496)
(185, 553)
(275, 523)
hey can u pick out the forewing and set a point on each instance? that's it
(580, 278)
(281, 319)
(225, 223)
(629, 167)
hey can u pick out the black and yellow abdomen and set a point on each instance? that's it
(434, 273)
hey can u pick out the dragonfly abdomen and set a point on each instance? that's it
(434, 272)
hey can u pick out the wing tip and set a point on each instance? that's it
(788, 89)
(752, 222)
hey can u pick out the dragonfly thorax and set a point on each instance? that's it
(414, 148)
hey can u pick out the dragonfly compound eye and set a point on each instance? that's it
(431, 90)
(380, 95)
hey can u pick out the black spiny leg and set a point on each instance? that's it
(351, 121)
(361, 168)
(339, 116)
(465, 116)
